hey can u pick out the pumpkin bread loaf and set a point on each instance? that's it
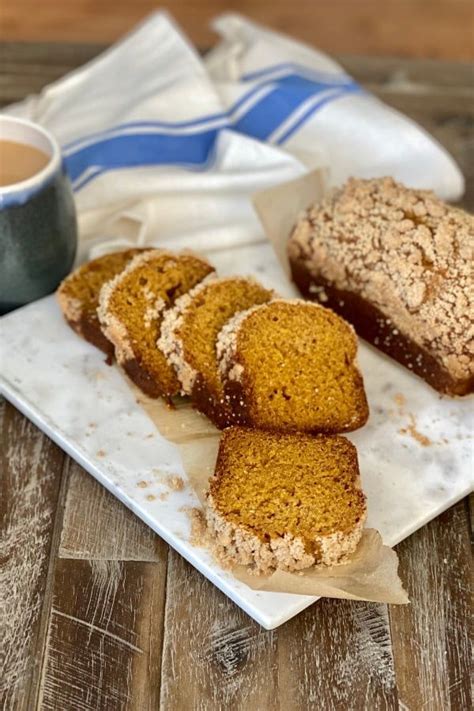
(290, 365)
(131, 310)
(397, 264)
(78, 295)
(189, 333)
(286, 501)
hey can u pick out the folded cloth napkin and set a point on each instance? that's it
(304, 102)
(162, 150)
(150, 149)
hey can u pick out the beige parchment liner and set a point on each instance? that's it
(278, 208)
(371, 573)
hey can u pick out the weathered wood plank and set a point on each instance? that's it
(105, 636)
(30, 470)
(431, 637)
(408, 75)
(28, 66)
(97, 526)
(214, 655)
(103, 646)
(440, 29)
(337, 655)
(37, 57)
(470, 515)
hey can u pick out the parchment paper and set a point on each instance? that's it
(278, 208)
(371, 573)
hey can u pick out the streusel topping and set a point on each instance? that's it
(406, 252)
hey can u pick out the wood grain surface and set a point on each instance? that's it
(96, 613)
(408, 28)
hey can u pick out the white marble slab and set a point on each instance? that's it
(415, 453)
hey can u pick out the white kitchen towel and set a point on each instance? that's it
(150, 150)
(159, 154)
(308, 105)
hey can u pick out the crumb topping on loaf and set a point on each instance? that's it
(170, 342)
(71, 306)
(404, 251)
(112, 324)
(233, 545)
(189, 334)
(226, 345)
(78, 293)
(284, 501)
(132, 307)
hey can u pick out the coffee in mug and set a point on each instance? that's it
(38, 228)
(19, 161)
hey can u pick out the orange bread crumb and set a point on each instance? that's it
(285, 501)
(131, 312)
(189, 334)
(291, 366)
(78, 295)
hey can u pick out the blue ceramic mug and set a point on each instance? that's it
(38, 227)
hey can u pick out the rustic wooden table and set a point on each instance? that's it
(96, 612)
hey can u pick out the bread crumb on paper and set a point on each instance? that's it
(400, 400)
(412, 431)
(198, 536)
(176, 483)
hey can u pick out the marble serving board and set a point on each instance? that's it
(415, 452)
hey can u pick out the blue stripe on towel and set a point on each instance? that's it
(190, 144)
(314, 108)
(220, 119)
(141, 149)
(289, 94)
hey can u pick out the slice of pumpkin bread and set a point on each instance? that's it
(287, 501)
(189, 333)
(78, 295)
(131, 311)
(290, 365)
